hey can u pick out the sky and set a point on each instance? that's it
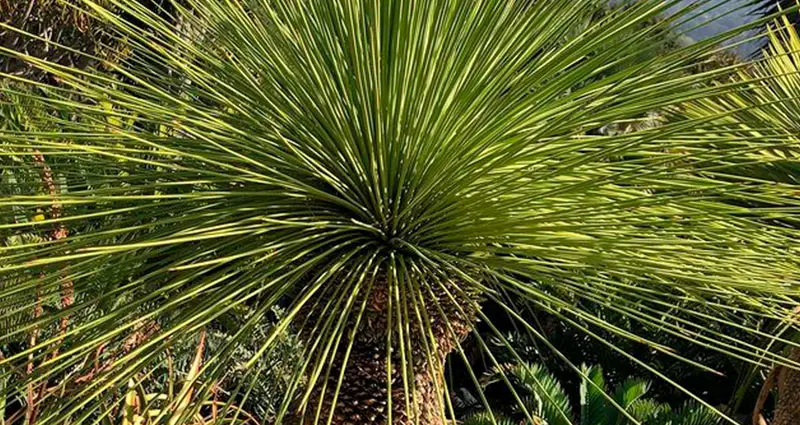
(723, 18)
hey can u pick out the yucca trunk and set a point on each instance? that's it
(416, 396)
(787, 411)
(363, 399)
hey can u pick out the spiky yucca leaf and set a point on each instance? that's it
(766, 106)
(770, 8)
(379, 168)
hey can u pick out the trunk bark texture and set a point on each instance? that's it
(787, 412)
(363, 398)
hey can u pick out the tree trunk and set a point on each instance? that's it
(787, 412)
(362, 398)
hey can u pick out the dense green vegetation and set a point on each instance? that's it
(393, 212)
(542, 398)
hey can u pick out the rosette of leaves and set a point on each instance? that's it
(381, 169)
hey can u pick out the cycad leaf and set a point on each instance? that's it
(626, 394)
(542, 393)
(595, 409)
(486, 419)
(651, 412)
(694, 414)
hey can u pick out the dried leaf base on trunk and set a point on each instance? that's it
(363, 396)
(787, 411)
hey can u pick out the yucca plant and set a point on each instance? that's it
(380, 169)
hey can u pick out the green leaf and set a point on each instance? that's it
(378, 169)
